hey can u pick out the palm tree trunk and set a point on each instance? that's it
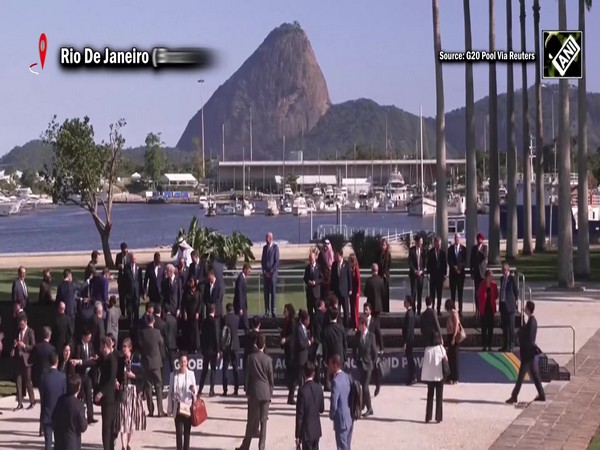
(540, 200)
(494, 222)
(441, 215)
(526, 140)
(512, 249)
(582, 266)
(471, 151)
(565, 230)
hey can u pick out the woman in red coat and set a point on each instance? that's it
(487, 297)
(355, 298)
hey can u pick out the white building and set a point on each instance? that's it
(178, 179)
(357, 185)
(135, 177)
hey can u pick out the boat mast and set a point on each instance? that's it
(421, 134)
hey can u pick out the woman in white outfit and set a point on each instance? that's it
(182, 391)
(432, 373)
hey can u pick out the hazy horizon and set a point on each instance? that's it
(363, 51)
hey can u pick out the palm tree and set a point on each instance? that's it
(494, 226)
(565, 231)
(526, 146)
(441, 215)
(470, 130)
(511, 150)
(540, 200)
(582, 266)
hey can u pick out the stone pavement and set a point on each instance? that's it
(569, 418)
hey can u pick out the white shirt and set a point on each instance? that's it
(156, 271)
(368, 322)
(22, 334)
(212, 285)
(24, 287)
(418, 258)
(432, 363)
(179, 389)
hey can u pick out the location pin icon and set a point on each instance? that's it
(42, 47)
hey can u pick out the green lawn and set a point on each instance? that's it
(34, 278)
(543, 266)
(7, 388)
(595, 443)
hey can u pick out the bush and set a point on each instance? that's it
(366, 248)
(337, 241)
(427, 236)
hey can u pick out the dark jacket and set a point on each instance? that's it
(121, 259)
(151, 342)
(170, 332)
(457, 261)
(240, 296)
(210, 336)
(365, 352)
(510, 291)
(41, 358)
(527, 337)
(310, 403)
(413, 264)
(375, 291)
(192, 304)
(478, 261)
(313, 293)
(134, 281)
(259, 376)
(215, 297)
(301, 346)
(437, 266)
(98, 330)
(18, 293)
(45, 294)
(250, 340)
(375, 328)
(199, 271)
(317, 325)
(153, 283)
(88, 362)
(24, 355)
(53, 386)
(269, 261)
(408, 328)
(62, 332)
(66, 294)
(233, 322)
(334, 341)
(68, 422)
(341, 282)
(171, 294)
(108, 376)
(429, 325)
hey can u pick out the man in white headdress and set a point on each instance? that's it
(185, 251)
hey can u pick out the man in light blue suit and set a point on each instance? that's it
(270, 264)
(339, 411)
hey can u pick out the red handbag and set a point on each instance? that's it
(199, 414)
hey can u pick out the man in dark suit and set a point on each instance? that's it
(508, 296)
(97, 326)
(99, 288)
(408, 336)
(429, 323)
(240, 297)
(341, 284)
(416, 270)
(437, 268)
(62, 331)
(171, 291)
(231, 351)
(301, 348)
(53, 386)
(170, 339)
(210, 342)
(374, 291)
(90, 269)
(19, 292)
(84, 359)
(151, 342)
(23, 346)
(182, 272)
(478, 264)
(312, 282)
(153, 279)
(160, 323)
(365, 355)
(106, 393)
(259, 390)
(135, 288)
(121, 261)
(269, 263)
(250, 344)
(334, 340)
(311, 403)
(213, 294)
(317, 325)
(68, 418)
(66, 294)
(41, 356)
(528, 349)
(457, 261)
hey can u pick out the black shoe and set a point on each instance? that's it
(377, 389)
(31, 405)
(92, 421)
(368, 413)
(235, 393)
(224, 394)
(439, 313)
(291, 401)
(162, 414)
(511, 401)
(503, 349)
(540, 399)
(211, 394)
(19, 406)
(273, 315)
(484, 349)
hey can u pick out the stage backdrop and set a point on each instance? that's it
(475, 367)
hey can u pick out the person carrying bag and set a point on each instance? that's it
(182, 390)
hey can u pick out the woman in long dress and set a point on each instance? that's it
(355, 298)
(487, 296)
(130, 412)
(192, 304)
(385, 264)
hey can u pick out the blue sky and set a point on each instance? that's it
(381, 50)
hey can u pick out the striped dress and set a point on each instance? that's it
(130, 412)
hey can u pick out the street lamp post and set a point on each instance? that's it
(201, 81)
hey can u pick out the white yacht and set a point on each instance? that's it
(299, 207)
(457, 205)
(203, 202)
(9, 206)
(317, 192)
(373, 204)
(287, 191)
(396, 189)
(421, 206)
(272, 209)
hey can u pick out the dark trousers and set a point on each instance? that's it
(452, 359)
(528, 365)
(311, 304)
(133, 310)
(48, 437)
(385, 300)
(410, 363)
(476, 282)
(24, 383)
(436, 286)
(507, 321)
(244, 325)
(208, 360)
(270, 286)
(87, 395)
(345, 305)
(291, 378)
(230, 356)
(108, 425)
(258, 414)
(438, 387)
(487, 329)
(457, 284)
(416, 291)
(153, 380)
(310, 445)
(123, 294)
(365, 380)
(183, 426)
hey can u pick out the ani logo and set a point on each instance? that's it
(563, 54)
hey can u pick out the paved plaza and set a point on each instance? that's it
(475, 416)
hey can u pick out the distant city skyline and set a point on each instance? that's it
(383, 52)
